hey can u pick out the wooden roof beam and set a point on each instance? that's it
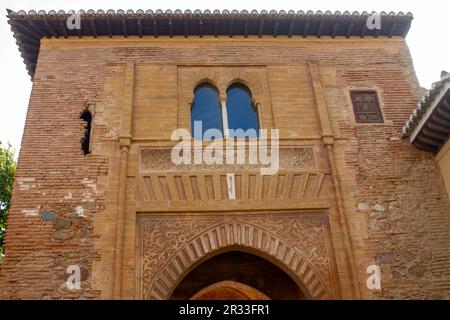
(425, 146)
(434, 134)
(50, 28)
(261, 28)
(216, 27)
(246, 27)
(392, 30)
(363, 31)
(319, 32)
(109, 28)
(291, 28)
(34, 26)
(430, 141)
(28, 39)
(155, 28)
(305, 29)
(26, 29)
(170, 28)
(443, 113)
(31, 47)
(377, 33)
(440, 120)
(349, 30)
(275, 28)
(437, 127)
(27, 54)
(93, 28)
(335, 28)
(62, 27)
(231, 28)
(124, 27)
(405, 31)
(446, 103)
(200, 25)
(139, 27)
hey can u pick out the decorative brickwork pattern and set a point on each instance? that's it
(170, 246)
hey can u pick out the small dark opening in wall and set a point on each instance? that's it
(86, 116)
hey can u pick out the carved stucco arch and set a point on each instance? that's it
(245, 84)
(205, 81)
(238, 80)
(241, 289)
(222, 80)
(242, 236)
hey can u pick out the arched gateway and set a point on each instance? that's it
(188, 249)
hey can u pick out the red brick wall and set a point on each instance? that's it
(393, 193)
(54, 176)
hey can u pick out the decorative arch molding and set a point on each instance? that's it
(236, 289)
(239, 81)
(189, 249)
(201, 82)
(222, 78)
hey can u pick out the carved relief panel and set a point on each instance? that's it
(169, 246)
(299, 177)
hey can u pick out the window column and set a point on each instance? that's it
(223, 104)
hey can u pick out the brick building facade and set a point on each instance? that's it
(349, 193)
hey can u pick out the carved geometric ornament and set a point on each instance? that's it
(170, 246)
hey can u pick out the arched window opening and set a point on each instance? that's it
(206, 113)
(87, 117)
(243, 119)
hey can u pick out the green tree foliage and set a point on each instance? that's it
(7, 171)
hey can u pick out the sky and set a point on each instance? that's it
(428, 39)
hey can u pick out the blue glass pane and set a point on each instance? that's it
(241, 112)
(206, 109)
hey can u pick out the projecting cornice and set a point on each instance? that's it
(428, 127)
(30, 27)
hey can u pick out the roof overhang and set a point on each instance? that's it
(429, 125)
(29, 28)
